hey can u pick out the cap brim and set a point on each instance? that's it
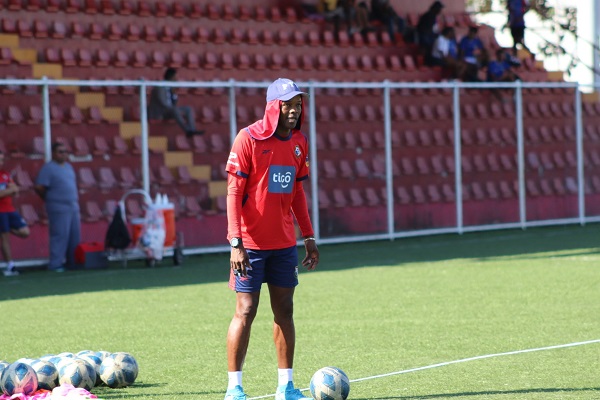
(291, 95)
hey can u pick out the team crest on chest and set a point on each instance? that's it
(297, 151)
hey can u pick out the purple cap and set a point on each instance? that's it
(283, 89)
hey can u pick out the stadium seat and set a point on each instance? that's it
(356, 199)
(149, 33)
(86, 178)
(448, 193)
(372, 199)
(119, 146)
(106, 178)
(192, 207)
(127, 178)
(407, 166)
(80, 146)
(14, 115)
(40, 29)
(339, 198)
(121, 59)
(35, 115)
(422, 166)
(92, 211)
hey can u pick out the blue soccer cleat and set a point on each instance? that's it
(237, 393)
(288, 392)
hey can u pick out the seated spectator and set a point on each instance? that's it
(338, 10)
(382, 11)
(473, 54)
(500, 70)
(445, 54)
(362, 18)
(427, 27)
(163, 105)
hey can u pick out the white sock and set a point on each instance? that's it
(285, 376)
(10, 265)
(235, 379)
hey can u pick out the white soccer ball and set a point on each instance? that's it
(78, 373)
(18, 377)
(47, 374)
(330, 383)
(94, 361)
(103, 354)
(119, 370)
(3, 365)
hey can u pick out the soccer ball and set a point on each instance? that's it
(119, 370)
(47, 374)
(18, 377)
(330, 383)
(3, 365)
(94, 361)
(103, 354)
(78, 373)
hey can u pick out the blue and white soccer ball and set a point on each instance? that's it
(94, 361)
(103, 354)
(18, 377)
(3, 365)
(119, 370)
(330, 383)
(78, 373)
(47, 374)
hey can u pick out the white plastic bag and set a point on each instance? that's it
(153, 233)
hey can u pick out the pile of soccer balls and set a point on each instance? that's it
(85, 369)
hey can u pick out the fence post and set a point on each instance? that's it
(314, 182)
(580, 156)
(389, 178)
(47, 126)
(520, 153)
(144, 138)
(457, 159)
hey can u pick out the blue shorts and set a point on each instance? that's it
(275, 267)
(11, 220)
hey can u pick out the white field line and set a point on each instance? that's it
(462, 360)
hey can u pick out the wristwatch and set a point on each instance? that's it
(236, 242)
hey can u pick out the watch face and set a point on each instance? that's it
(235, 242)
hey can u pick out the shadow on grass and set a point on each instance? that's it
(486, 393)
(213, 268)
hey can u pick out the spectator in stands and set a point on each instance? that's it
(516, 22)
(428, 28)
(473, 53)
(500, 70)
(337, 11)
(445, 54)
(382, 11)
(163, 105)
(56, 184)
(264, 195)
(10, 220)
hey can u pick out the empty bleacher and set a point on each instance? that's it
(138, 39)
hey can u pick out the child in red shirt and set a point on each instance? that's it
(10, 220)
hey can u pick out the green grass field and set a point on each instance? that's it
(371, 308)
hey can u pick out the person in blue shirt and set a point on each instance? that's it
(473, 53)
(516, 22)
(56, 184)
(500, 70)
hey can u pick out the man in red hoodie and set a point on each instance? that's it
(266, 167)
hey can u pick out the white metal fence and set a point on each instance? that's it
(383, 97)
